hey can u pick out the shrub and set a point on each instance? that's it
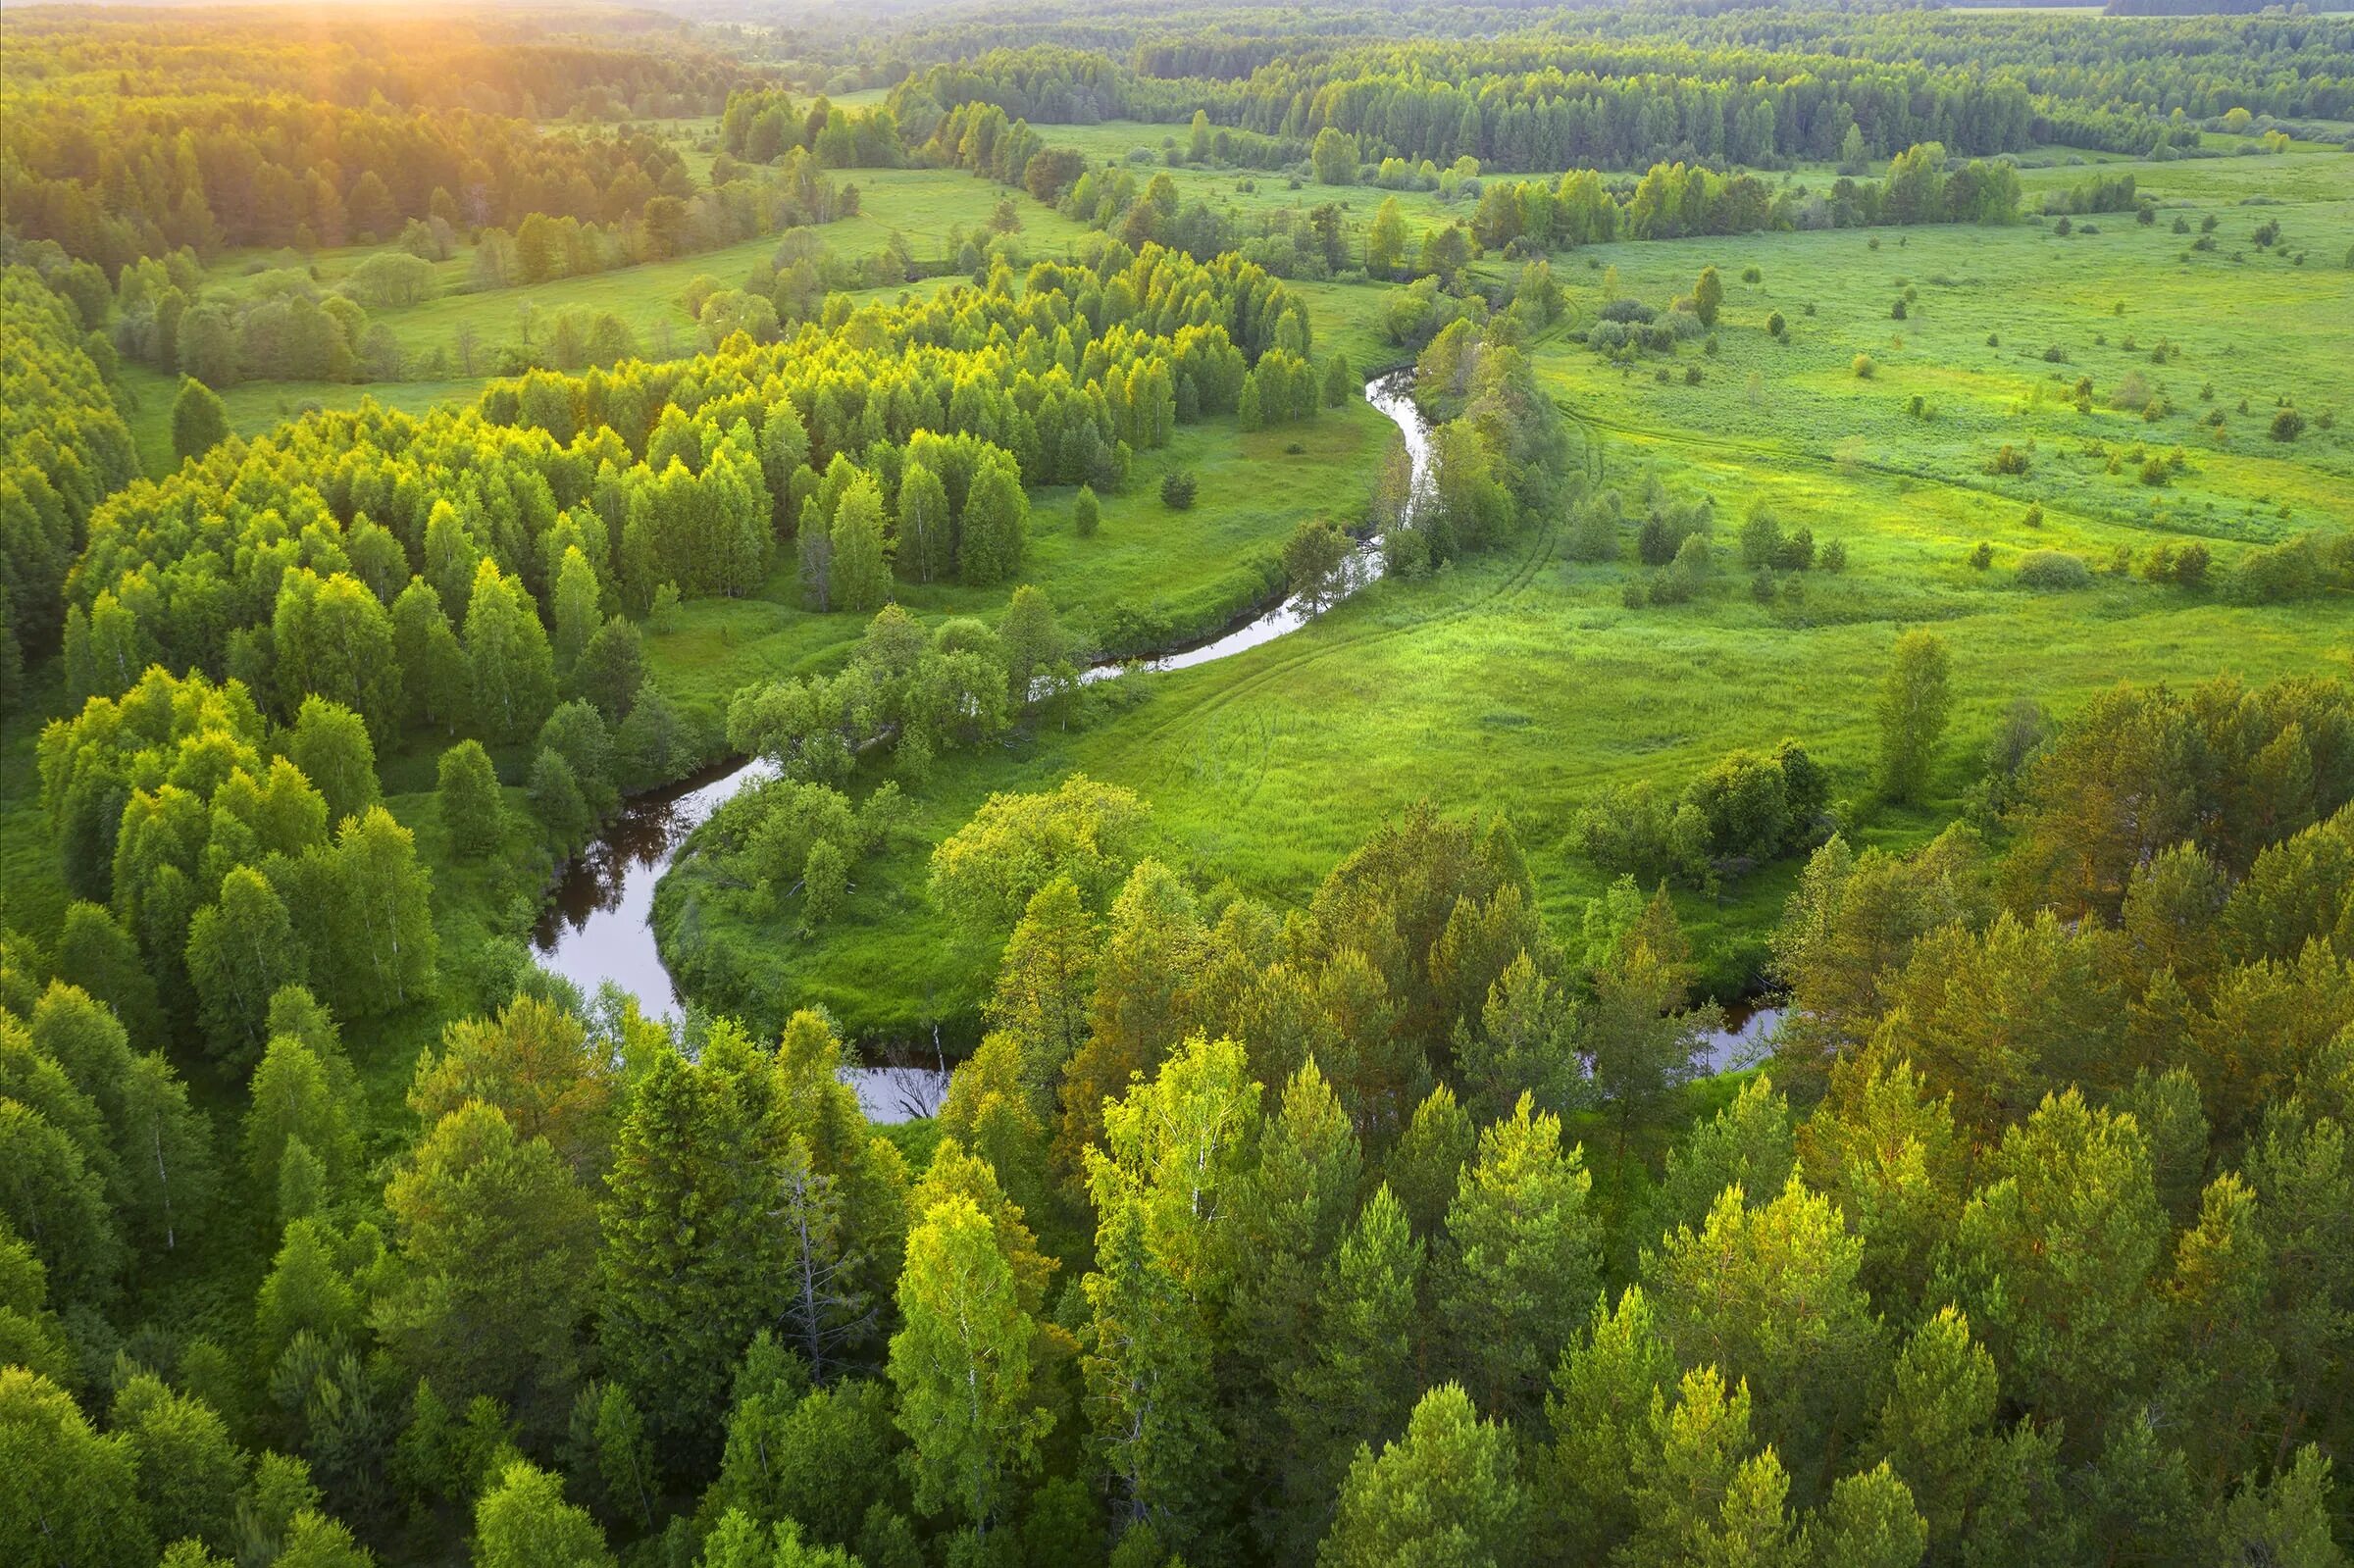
(2032, 516)
(1834, 557)
(2053, 570)
(1178, 490)
(1774, 325)
(1086, 513)
(2287, 425)
(2009, 460)
(1865, 368)
(1982, 556)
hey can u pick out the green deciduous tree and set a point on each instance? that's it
(467, 798)
(1916, 698)
(523, 1522)
(961, 1365)
(241, 951)
(861, 572)
(199, 420)
(512, 669)
(67, 1494)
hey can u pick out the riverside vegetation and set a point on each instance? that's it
(1875, 539)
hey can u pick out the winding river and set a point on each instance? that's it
(598, 924)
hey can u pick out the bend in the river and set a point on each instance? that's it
(599, 923)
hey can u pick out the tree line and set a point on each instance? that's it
(1356, 1231)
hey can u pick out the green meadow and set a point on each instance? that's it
(1521, 684)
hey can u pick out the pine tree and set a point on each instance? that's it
(1522, 1256)
(690, 1266)
(1447, 1490)
(1359, 1385)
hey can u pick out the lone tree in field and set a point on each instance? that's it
(1707, 296)
(1915, 703)
(199, 421)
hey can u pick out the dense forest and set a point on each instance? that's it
(1460, 786)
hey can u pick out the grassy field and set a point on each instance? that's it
(1521, 683)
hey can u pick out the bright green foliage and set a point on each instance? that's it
(1447, 1490)
(1707, 296)
(523, 1522)
(51, 1198)
(294, 1097)
(190, 1471)
(335, 641)
(961, 1366)
(1598, 1411)
(240, 951)
(575, 609)
(861, 573)
(199, 420)
(1699, 1493)
(67, 1494)
(2055, 1256)
(469, 798)
(512, 669)
(1748, 1145)
(1768, 1296)
(1523, 1261)
(436, 680)
(104, 960)
(1015, 845)
(1914, 702)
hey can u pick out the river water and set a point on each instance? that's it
(599, 923)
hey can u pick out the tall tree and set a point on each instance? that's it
(691, 1264)
(861, 573)
(523, 1522)
(240, 951)
(1916, 698)
(1449, 1491)
(1523, 1257)
(67, 1494)
(961, 1365)
(199, 420)
(512, 668)
(496, 1244)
